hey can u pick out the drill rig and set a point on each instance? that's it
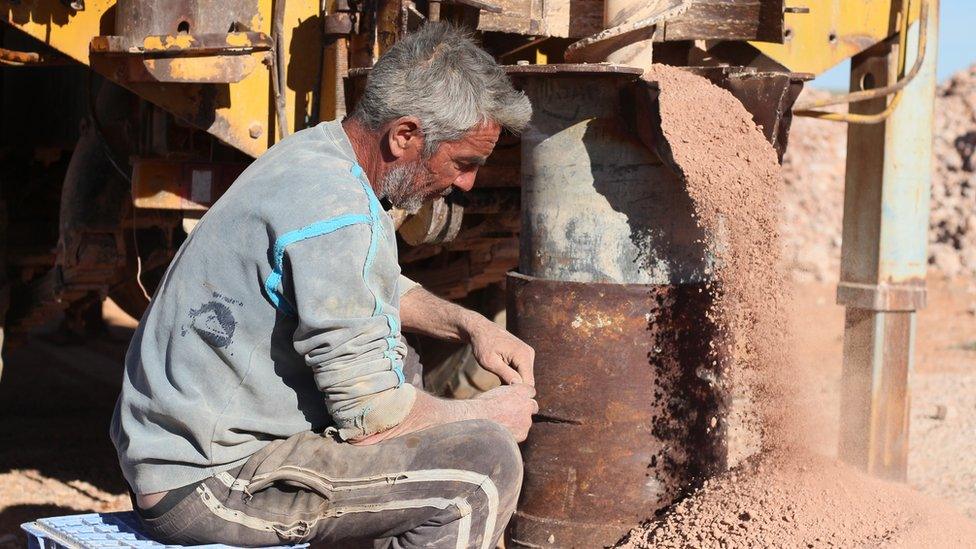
(124, 120)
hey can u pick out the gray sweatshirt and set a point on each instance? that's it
(279, 314)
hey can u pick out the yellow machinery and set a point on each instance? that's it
(123, 121)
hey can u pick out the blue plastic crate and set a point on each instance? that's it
(95, 531)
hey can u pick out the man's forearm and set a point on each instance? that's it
(422, 312)
(496, 350)
(511, 406)
(428, 411)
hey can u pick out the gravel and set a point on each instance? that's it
(943, 449)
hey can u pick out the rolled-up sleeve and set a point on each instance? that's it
(349, 338)
(404, 285)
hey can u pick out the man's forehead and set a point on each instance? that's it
(481, 138)
(488, 129)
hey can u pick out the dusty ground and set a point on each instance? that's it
(56, 399)
(797, 499)
(942, 454)
(793, 498)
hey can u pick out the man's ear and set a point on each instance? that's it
(405, 137)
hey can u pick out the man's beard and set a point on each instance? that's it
(400, 187)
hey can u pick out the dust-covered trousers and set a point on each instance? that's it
(451, 486)
(454, 485)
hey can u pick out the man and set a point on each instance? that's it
(264, 399)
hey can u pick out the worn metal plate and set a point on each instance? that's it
(830, 32)
(573, 68)
(726, 20)
(563, 18)
(177, 185)
(627, 27)
(186, 70)
(183, 45)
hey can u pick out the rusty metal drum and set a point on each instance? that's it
(612, 293)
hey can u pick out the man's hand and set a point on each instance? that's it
(498, 351)
(512, 406)
(501, 353)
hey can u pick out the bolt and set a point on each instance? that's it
(255, 130)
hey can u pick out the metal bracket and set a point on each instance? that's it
(217, 58)
(183, 45)
(882, 297)
(437, 222)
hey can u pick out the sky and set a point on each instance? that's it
(957, 45)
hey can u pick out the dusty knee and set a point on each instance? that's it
(475, 446)
(492, 451)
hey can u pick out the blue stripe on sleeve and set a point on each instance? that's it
(272, 285)
(396, 365)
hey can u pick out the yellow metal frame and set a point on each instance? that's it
(832, 31)
(244, 114)
(895, 89)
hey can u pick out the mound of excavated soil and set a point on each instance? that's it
(783, 496)
(802, 500)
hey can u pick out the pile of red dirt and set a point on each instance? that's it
(783, 496)
(803, 500)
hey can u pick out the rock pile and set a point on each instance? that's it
(952, 233)
(814, 195)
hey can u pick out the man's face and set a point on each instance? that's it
(454, 164)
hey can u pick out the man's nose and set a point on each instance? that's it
(465, 182)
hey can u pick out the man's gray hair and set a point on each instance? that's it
(440, 76)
